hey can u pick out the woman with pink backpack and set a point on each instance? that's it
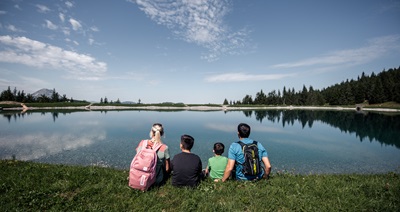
(151, 165)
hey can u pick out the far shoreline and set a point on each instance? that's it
(91, 107)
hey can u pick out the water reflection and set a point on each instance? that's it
(39, 145)
(30, 141)
(307, 141)
(12, 115)
(366, 125)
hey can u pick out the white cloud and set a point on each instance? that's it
(69, 4)
(66, 30)
(94, 29)
(2, 12)
(199, 22)
(50, 25)
(33, 53)
(376, 48)
(62, 17)
(42, 8)
(75, 24)
(240, 77)
(91, 41)
(13, 28)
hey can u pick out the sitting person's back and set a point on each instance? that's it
(186, 166)
(217, 164)
(236, 158)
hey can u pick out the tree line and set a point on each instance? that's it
(21, 96)
(373, 89)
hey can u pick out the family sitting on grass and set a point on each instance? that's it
(247, 159)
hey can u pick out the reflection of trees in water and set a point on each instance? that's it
(17, 115)
(383, 128)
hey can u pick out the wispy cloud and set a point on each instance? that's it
(42, 8)
(69, 4)
(2, 12)
(33, 53)
(241, 77)
(50, 25)
(199, 22)
(374, 49)
(62, 17)
(13, 28)
(94, 29)
(75, 24)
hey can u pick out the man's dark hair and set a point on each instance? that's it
(187, 142)
(219, 148)
(244, 130)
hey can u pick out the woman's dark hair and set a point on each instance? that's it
(244, 130)
(187, 142)
(219, 148)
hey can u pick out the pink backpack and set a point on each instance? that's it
(142, 173)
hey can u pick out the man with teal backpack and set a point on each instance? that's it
(248, 158)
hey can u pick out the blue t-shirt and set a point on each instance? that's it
(236, 153)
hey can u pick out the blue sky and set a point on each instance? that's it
(192, 51)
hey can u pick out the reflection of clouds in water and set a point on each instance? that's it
(233, 128)
(268, 129)
(221, 127)
(88, 123)
(327, 146)
(34, 146)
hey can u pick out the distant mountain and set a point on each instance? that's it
(43, 91)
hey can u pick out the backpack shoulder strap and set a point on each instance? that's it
(157, 147)
(241, 144)
(144, 144)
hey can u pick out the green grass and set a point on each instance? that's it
(27, 186)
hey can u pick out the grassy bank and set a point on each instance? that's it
(26, 186)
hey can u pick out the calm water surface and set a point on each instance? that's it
(296, 141)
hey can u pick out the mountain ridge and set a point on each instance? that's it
(43, 91)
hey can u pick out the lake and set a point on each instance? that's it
(297, 141)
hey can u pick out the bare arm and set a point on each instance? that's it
(267, 166)
(228, 169)
(206, 170)
(167, 165)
